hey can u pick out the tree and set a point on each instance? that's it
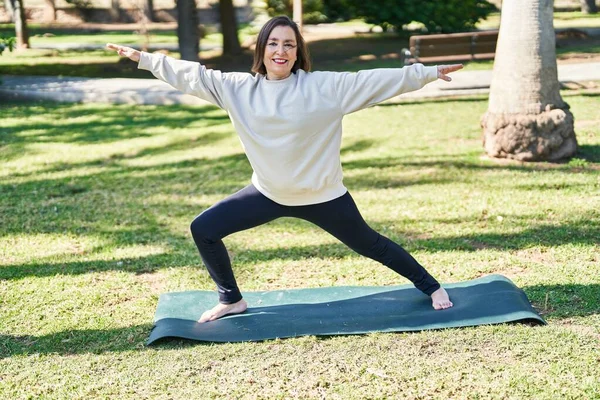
(312, 11)
(589, 6)
(9, 10)
(188, 34)
(435, 15)
(148, 9)
(229, 29)
(49, 11)
(115, 10)
(527, 118)
(21, 31)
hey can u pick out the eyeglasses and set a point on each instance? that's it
(286, 47)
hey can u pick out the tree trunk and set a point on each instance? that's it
(9, 10)
(143, 31)
(297, 13)
(231, 42)
(49, 11)
(115, 10)
(149, 10)
(187, 30)
(527, 118)
(21, 31)
(589, 6)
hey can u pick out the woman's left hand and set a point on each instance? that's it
(446, 69)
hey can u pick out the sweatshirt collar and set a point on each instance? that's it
(289, 78)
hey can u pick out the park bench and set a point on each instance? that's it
(467, 46)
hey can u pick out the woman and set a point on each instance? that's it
(289, 121)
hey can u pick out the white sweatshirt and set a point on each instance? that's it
(290, 129)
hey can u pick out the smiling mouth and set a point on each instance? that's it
(279, 61)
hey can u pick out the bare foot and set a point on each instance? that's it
(440, 299)
(221, 310)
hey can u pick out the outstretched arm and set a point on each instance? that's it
(361, 89)
(187, 76)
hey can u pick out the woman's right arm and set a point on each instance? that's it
(187, 76)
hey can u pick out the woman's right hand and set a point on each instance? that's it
(125, 51)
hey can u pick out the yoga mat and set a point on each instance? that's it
(492, 299)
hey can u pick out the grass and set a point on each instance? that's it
(96, 201)
(562, 19)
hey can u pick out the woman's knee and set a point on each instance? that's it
(202, 229)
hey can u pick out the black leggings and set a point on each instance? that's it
(340, 217)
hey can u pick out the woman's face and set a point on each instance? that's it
(280, 53)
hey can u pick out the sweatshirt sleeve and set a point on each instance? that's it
(362, 89)
(187, 76)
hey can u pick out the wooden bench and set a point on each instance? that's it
(468, 46)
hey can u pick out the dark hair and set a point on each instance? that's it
(303, 58)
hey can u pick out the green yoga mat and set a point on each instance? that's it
(492, 299)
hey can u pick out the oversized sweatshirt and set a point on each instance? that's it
(290, 129)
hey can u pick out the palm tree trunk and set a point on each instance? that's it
(527, 118)
(231, 42)
(187, 30)
(21, 31)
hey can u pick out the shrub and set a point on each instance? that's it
(312, 10)
(7, 42)
(435, 15)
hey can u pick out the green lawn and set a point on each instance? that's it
(562, 19)
(96, 202)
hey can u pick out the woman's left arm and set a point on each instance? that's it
(356, 91)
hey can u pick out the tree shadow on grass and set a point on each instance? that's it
(99, 124)
(439, 169)
(590, 94)
(581, 232)
(450, 161)
(71, 342)
(84, 69)
(408, 102)
(581, 229)
(590, 153)
(137, 265)
(564, 301)
(117, 193)
(357, 146)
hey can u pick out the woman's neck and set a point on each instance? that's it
(277, 77)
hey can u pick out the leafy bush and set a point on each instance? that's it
(7, 42)
(436, 15)
(315, 11)
(312, 10)
(339, 10)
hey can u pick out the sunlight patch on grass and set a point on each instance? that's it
(25, 248)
